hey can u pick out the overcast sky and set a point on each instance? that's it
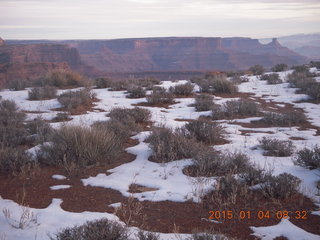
(105, 19)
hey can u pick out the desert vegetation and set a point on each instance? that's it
(181, 90)
(62, 79)
(216, 84)
(309, 158)
(286, 119)
(276, 147)
(41, 93)
(71, 100)
(272, 78)
(235, 108)
(203, 102)
(160, 96)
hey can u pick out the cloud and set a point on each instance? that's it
(130, 18)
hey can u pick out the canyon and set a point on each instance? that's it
(19, 58)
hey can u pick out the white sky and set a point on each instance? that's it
(105, 19)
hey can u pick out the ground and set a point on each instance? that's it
(161, 197)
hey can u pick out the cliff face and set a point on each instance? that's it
(150, 54)
(1, 42)
(180, 54)
(32, 61)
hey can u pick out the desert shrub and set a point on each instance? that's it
(280, 67)
(160, 95)
(252, 175)
(182, 89)
(216, 83)
(147, 236)
(283, 119)
(61, 116)
(315, 64)
(276, 147)
(211, 163)
(74, 99)
(301, 68)
(314, 90)
(207, 236)
(40, 128)
(228, 190)
(257, 69)
(223, 86)
(119, 85)
(62, 79)
(137, 115)
(205, 131)
(282, 186)
(234, 108)
(136, 92)
(169, 145)
(237, 79)
(309, 157)
(122, 130)
(80, 146)
(272, 78)
(203, 102)
(102, 229)
(13, 159)
(147, 82)
(17, 84)
(12, 128)
(102, 82)
(301, 80)
(40, 93)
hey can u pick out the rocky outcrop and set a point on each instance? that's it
(1, 42)
(31, 61)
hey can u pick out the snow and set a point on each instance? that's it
(59, 187)
(286, 229)
(59, 177)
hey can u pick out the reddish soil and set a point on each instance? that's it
(163, 105)
(83, 109)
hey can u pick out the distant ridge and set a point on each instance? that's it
(96, 57)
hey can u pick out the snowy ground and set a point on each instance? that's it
(167, 178)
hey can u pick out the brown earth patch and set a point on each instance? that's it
(248, 132)
(146, 104)
(297, 138)
(135, 188)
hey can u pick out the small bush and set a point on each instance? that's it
(282, 186)
(102, 82)
(235, 108)
(203, 102)
(102, 229)
(136, 92)
(61, 117)
(147, 82)
(169, 145)
(216, 84)
(228, 190)
(275, 147)
(287, 119)
(62, 79)
(301, 80)
(80, 146)
(205, 131)
(13, 159)
(280, 67)
(122, 130)
(148, 236)
(40, 129)
(119, 85)
(252, 175)
(159, 95)
(17, 85)
(272, 78)
(209, 163)
(12, 128)
(40, 93)
(309, 157)
(301, 68)
(207, 236)
(74, 99)
(182, 89)
(137, 115)
(314, 91)
(315, 64)
(257, 70)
